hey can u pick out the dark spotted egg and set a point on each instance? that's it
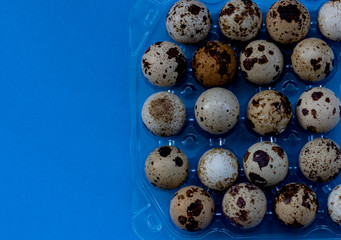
(244, 205)
(296, 205)
(318, 110)
(265, 164)
(164, 64)
(192, 208)
(188, 21)
(167, 167)
(334, 204)
(320, 160)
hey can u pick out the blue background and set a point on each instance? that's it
(64, 120)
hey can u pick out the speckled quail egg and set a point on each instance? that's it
(269, 112)
(329, 18)
(261, 62)
(244, 205)
(164, 114)
(320, 160)
(318, 110)
(218, 169)
(240, 20)
(164, 64)
(167, 167)
(312, 59)
(192, 208)
(217, 110)
(214, 64)
(296, 205)
(265, 164)
(188, 21)
(287, 21)
(334, 204)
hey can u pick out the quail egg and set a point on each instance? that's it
(164, 114)
(261, 62)
(334, 204)
(240, 20)
(244, 205)
(320, 160)
(269, 112)
(318, 110)
(167, 167)
(214, 64)
(192, 208)
(164, 64)
(188, 21)
(312, 59)
(217, 110)
(329, 18)
(265, 164)
(296, 205)
(218, 169)
(287, 21)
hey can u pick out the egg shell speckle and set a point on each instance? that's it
(214, 64)
(269, 112)
(287, 21)
(217, 110)
(240, 20)
(167, 167)
(244, 205)
(261, 62)
(312, 59)
(334, 204)
(218, 169)
(192, 208)
(329, 18)
(320, 160)
(318, 110)
(296, 205)
(188, 21)
(164, 114)
(265, 164)
(164, 64)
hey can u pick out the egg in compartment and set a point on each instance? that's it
(244, 205)
(334, 204)
(318, 110)
(265, 164)
(167, 167)
(192, 208)
(164, 64)
(188, 21)
(296, 205)
(329, 18)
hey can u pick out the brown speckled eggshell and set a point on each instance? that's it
(164, 114)
(244, 205)
(167, 167)
(329, 18)
(318, 110)
(240, 20)
(312, 59)
(164, 64)
(269, 112)
(188, 21)
(192, 208)
(287, 21)
(334, 204)
(320, 160)
(217, 110)
(214, 64)
(296, 205)
(265, 164)
(261, 62)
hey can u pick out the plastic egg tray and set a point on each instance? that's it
(150, 205)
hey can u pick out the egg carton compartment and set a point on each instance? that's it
(150, 205)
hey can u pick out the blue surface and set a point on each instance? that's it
(64, 105)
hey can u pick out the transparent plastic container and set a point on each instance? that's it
(150, 205)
